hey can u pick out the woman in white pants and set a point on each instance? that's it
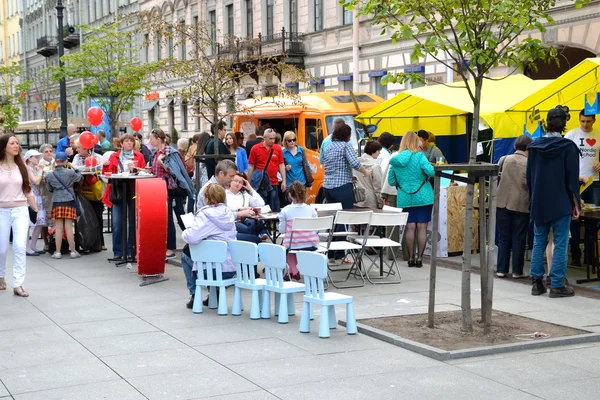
(15, 195)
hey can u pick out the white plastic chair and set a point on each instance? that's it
(245, 257)
(391, 209)
(314, 268)
(309, 224)
(327, 206)
(394, 220)
(354, 249)
(272, 256)
(210, 255)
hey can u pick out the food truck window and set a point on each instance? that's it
(310, 137)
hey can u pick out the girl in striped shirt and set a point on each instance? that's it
(301, 240)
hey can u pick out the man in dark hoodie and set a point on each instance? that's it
(553, 182)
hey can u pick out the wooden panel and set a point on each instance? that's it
(456, 200)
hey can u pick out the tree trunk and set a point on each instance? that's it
(215, 130)
(467, 321)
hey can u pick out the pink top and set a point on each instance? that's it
(11, 189)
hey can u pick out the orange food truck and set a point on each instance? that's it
(311, 117)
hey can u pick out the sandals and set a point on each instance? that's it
(19, 291)
(2, 284)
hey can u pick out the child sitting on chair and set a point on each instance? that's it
(214, 221)
(300, 240)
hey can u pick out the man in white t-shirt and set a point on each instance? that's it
(588, 142)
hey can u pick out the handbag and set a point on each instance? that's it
(32, 215)
(262, 184)
(360, 194)
(72, 192)
(307, 171)
(173, 187)
(91, 188)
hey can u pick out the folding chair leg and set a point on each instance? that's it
(236, 308)
(223, 308)
(282, 306)
(350, 319)
(380, 279)
(332, 319)
(324, 322)
(306, 317)
(333, 283)
(290, 303)
(265, 311)
(197, 308)
(255, 305)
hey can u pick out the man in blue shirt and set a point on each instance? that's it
(63, 144)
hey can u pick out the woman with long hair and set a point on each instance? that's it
(409, 173)
(15, 195)
(241, 158)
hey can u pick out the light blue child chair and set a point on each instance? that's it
(313, 266)
(245, 257)
(273, 257)
(210, 255)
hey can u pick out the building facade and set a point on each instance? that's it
(319, 33)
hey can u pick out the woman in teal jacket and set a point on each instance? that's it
(409, 173)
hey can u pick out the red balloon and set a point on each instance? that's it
(95, 115)
(87, 140)
(91, 161)
(136, 124)
(96, 141)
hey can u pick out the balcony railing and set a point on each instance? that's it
(47, 46)
(288, 44)
(70, 37)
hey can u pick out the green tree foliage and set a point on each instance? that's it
(13, 93)
(108, 62)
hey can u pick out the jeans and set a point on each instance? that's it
(171, 238)
(247, 227)
(117, 234)
(512, 228)
(273, 199)
(341, 194)
(179, 211)
(18, 219)
(191, 276)
(560, 230)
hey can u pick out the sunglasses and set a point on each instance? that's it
(291, 140)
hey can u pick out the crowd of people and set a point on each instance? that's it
(40, 190)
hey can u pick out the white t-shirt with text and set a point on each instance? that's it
(589, 144)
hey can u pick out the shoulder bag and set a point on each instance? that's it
(399, 187)
(307, 171)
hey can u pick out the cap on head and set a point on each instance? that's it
(31, 153)
(60, 156)
(557, 113)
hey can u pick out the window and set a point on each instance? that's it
(249, 19)
(195, 22)
(316, 87)
(147, 48)
(318, 15)
(182, 46)
(170, 44)
(151, 116)
(184, 116)
(229, 15)
(377, 88)
(158, 48)
(213, 30)
(310, 138)
(197, 112)
(270, 19)
(346, 17)
(293, 16)
(346, 85)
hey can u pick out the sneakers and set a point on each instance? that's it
(519, 276)
(190, 304)
(170, 256)
(74, 254)
(500, 275)
(57, 256)
(538, 287)
(564, 291)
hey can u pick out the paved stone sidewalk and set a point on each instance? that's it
(88, 331)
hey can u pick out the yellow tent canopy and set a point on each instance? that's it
(568, 90)
(443, 109)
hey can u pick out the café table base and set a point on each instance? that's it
(152, 279)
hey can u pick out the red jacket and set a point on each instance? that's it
(113, 166)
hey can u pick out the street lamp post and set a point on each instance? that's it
(62, 84)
